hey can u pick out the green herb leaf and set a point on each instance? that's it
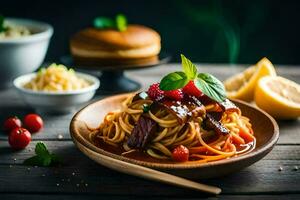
(103, 22)
(43, 157)
(146, 108)
(2, 28)
(38, 161)
(211, 86)
(207, 83)
(35, 160)
(173, 81)
(41, 149)
(56, 159)
(188, 67)
(47, 160)
(121, 22)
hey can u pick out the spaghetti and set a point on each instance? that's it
(170, 126)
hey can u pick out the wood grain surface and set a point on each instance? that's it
(81, 178)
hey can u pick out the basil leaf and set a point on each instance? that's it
(35, 160)
(173, 81)
(55, 159)
(47, 159)
(43, 157)
(121, 22)
(41, 149)
(211, 86)
(43, 161)
(103, 22)
(188, 67)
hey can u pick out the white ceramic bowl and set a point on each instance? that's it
(25, 54)
(56, 102)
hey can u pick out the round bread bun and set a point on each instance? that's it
(135, 43)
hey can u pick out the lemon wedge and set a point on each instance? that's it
(242, 85)
(279, 97)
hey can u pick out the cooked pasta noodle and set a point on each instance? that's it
(56, 78)
(203, 145)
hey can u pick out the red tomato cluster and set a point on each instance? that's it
(20, 134)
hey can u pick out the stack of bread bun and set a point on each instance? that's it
(136, 45)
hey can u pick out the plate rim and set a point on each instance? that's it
(263, 150)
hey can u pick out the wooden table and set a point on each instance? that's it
(80, 177)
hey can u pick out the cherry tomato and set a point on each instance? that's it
(19, 138)
(11, 123)
(180, 154)
(33, 123)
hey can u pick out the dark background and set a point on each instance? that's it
(231, 31)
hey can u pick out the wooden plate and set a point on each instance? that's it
(264, 126)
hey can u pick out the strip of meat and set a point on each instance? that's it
(183, 110)
(216, 115)
(228, 105)
(142, 132)
(211, 124)
(139, 96)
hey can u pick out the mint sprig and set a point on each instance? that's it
(43, 157)
(207, 83)
(119, 22)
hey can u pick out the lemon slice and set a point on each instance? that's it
(279, 97)
(242, 85)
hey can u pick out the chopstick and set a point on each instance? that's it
(147, 173)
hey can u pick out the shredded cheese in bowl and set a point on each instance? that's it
(56, 78)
